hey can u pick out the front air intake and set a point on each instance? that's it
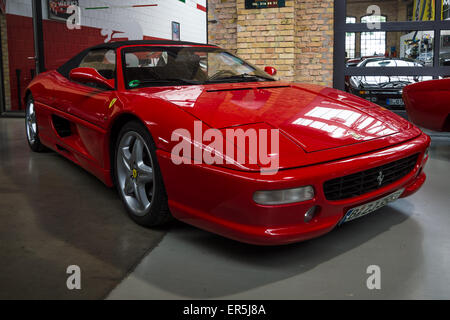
(366, 181)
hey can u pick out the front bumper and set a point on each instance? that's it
(382, 97)
(220, 200)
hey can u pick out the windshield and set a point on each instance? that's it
(155, 66)
(391, 63)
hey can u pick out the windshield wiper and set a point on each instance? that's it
(187, 81)
(153, 81)
(244, 76)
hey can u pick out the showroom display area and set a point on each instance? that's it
(224, 150)
(44, 231)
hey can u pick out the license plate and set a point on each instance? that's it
(395, 102)
(367, 208)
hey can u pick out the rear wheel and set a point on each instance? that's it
(138, 177)
(31, 126)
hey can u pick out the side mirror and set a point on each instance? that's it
(89, 75)
(271, 71)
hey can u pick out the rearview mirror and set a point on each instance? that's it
(271, 71)
(89, 75)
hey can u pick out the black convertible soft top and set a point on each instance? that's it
(75, 61)
(118, 44)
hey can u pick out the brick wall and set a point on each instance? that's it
(314, 41)
(297, 40)
(266, 37)
(222, 25)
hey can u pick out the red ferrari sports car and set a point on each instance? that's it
(427, 104)
(153, 118)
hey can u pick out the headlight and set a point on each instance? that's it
(277, 197)
(354, 82)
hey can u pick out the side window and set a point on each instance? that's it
(163, 65)
(103, 60)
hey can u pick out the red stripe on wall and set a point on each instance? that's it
(144, 5)
(200, 7)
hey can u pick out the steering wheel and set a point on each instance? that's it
(222, 74)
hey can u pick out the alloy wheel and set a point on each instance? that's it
(31, 122)
(135, 173)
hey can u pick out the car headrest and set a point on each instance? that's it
(131, 60)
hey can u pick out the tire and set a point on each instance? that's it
(137, 176)
(31, 127)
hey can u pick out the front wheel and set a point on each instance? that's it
(31, 126)
(138, 177)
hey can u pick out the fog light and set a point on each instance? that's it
(277, 197)
(310, 214)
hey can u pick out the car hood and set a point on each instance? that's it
(314, 117)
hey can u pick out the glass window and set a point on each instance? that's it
(445, 9)
(103, 60)
(378, 47)
(373, 43)
(350, 40)
(412, 45)
(394, 10)
(146, 59)
(444, 54)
